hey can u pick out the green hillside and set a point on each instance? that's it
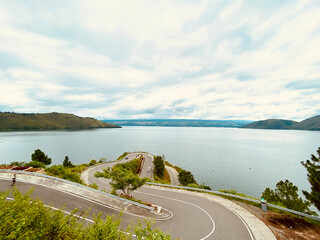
(48, 121)
(312, 123)
(271, 124)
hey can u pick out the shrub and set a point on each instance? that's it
(36, 164)
(186, 177)
(19, 164)
(159, 166)
(27, 218)
(64, 173)
(92, 162)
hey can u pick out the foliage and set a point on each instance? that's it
(286, 194)
(64, 173)
(123, 155)
(202, 186)
(313, 168)
(39, 156)
(67, 163)
(93, 162)
(102, 160)
(94, 185)
(36, 164)
(159, 166)
(27, 218)
(186, 177)
(15, 163)
(193, 185)
(122, 179)
(134, 165)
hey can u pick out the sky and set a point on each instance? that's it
(186, 59)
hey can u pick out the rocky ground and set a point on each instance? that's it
(285, 227)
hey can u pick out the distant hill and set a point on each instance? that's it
(48, 121)
(271, 124)
(180, 123)
(312, 123)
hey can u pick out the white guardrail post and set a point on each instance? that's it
(263, 205)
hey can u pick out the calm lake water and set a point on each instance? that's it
(246, 160)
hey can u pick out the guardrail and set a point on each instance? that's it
(79, 185)
(239, 197)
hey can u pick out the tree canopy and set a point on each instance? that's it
(313, 168)
(286, 194)
(67, 162)
(39, 156)
(122, 178)
(159, 166)
(186, 178)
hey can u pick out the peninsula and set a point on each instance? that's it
(48, 121)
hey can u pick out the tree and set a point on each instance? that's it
(39, 156)
(186, 178)
(67, 162)
(313, 168)
(122, 179)
(286, 194)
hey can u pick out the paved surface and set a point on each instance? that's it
(196, 216)
(173, 175)
(147, 167)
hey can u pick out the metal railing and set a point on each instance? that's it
(79, 185)
(238, 197)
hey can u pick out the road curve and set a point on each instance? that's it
(193, 217)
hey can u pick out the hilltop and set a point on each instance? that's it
(312, 123)
(48, 121)
(271, 124)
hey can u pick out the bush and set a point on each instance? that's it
(36, 164)
(64, 173)
(186, 178)
(27, 218)
(19, 164)
(92, 162)
(159, 166)
(193, 185)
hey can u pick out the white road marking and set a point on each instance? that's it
(244, 222)
(213, 224)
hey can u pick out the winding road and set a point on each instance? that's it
(194, 217)
(187, 215)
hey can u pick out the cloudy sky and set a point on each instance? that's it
(191, 59)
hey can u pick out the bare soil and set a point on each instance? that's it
(285, 227)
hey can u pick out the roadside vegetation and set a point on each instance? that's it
(160, 173)
(124, 177)
(28, 218)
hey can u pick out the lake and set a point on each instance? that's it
(247, 160)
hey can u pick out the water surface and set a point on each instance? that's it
(246, 160)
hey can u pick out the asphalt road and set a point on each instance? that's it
(147, 167)
(173, 175)
(193, 217)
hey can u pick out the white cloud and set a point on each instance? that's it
(161, 59)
